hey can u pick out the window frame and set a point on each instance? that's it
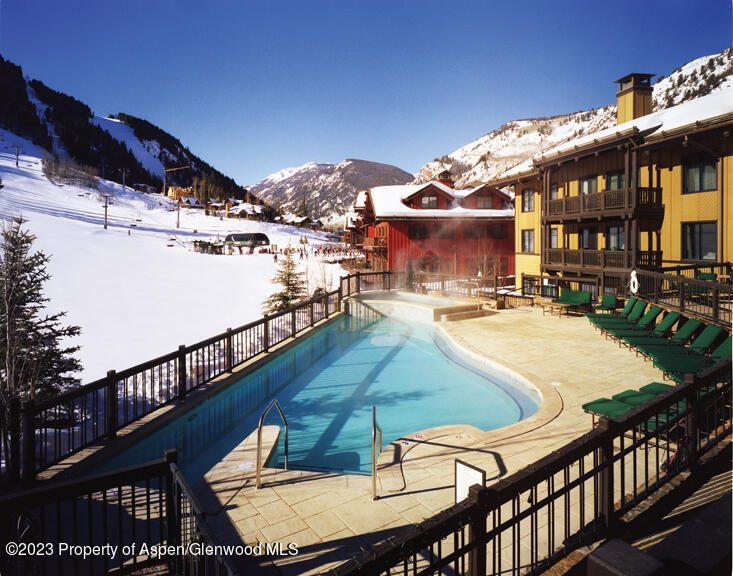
(554, 192)
(683, 237)
(417, 231)
(530, 236)
(698, 162)
(484, 200)
(620, 174)
(590, 178)
(554, 237)
(619, 234)
(432, 199)
(528, 199)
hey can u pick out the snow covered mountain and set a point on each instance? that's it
(325, 191)
(494, 153)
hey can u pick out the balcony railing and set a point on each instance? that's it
(620, 259)
(375, 243)
(606, 200)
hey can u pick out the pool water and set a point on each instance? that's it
(327, 385)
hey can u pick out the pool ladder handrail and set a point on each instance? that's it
(276, 404)
(375, 428)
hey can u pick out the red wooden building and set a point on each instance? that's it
(435, 228)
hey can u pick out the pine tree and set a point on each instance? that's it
(33, 360)
(293, 287)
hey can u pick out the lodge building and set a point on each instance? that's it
(435, 228)
(654, 189)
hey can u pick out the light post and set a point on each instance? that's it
(106, 204)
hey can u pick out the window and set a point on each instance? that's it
(528, 241)
(554, 195)
(699, 176)
(528, 200)
(484, 202)
(473, 231)
(588, 185)
(553, 238)
(615, 238)
(615, 180)
(496, 231)
(699, 240)
(589, 238)
(446, 231)
(429, 202)
(417, 231)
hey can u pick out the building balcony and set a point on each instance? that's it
(375, 243)
(564, 258)
(605, 202)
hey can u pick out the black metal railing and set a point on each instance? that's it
(130, 515)
(578, 494)
(694, 269)
(43, 433)
(550, 286)
(466, 286)
(705, 299)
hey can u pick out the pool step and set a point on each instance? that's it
(458, 316)
(438, 313)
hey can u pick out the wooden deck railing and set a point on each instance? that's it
(607, 259)
(44, 432)
(605, 200)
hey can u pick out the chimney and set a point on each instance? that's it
(634, 97)
(446, 178)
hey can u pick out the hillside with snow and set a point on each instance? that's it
(137, 289)
(493, 154)
(325, 190)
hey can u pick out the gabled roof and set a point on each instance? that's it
(191, 201)
(360, 200)
(389, 202)
(487, 188)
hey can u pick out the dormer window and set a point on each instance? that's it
(429, 202)
(483, 202)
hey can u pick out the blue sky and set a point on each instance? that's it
(255, 86)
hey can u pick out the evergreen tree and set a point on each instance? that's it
(293, 287)
(33, 360)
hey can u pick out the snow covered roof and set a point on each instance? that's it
(657, 124)
(258, 209)
(191, 201)
(388, 202)
(360, 200)
(234, 201)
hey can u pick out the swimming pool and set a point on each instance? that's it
(327, 385)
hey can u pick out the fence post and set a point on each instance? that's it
(358, 282)
(172, 528)
(28, 415)
(522, 281)
(292, 323)
(716, 304)
(325, 304)
(605, 483)
(691, 421)
(266, 333)
(229, 352)
(340, 298)
(682, 295)
(311, 304)
(478, 496)
(14, 425)
(389, 279)
(182, 371)
(111, 407)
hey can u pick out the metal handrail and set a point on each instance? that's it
(375, 428)
(276, 404)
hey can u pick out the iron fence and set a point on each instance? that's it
(465, 286)
(128, 514)
(42, 433)
(578, 494)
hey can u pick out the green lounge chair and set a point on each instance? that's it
(608, 303)
(656, 388)
(643, 325)
(623, 314)
(633, 398)
(634, 316)
(680, 338)
(606, 407)
(656, 336)
(678, 366)
(700, 345)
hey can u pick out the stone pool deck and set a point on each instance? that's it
(332, 517)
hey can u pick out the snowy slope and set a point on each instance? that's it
(147, 153)
(135, 292)
(497, 152)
